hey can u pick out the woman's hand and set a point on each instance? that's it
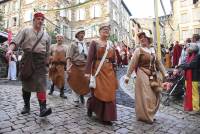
(87, 75)
(126, 80)
(166, 75)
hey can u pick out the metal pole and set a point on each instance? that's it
(157, 29)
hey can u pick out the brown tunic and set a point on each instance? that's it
(25, 39)
(102, 101)
(57, 66)
(76, 79)
(147, 101)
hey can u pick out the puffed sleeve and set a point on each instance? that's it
(133, 63)
(70, 51)
(19, 38)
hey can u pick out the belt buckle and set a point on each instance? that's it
(151, 77)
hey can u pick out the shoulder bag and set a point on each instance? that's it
(92, 83)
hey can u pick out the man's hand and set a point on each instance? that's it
(69, 67)
(50, 59)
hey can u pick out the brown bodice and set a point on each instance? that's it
(101, 51)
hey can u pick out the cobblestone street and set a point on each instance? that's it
(66, 118)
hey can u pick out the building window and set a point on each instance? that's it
(116, 2)
(63, 11)
(28, 1)
(184, 18)
(197, 31)
(95, 31)
(69, 15)
(14, 21)
(183, 3)
(28, 16)
(6, 23)
(13, 4)
(80, 14)
(95, 11)
(6, 8)
(196, 15)
(92, 31)
(185, 34)
(114, 15)
(88, 33)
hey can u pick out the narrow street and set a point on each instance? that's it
(66, 118)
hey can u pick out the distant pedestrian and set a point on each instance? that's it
(184, 52)
(57, 65)
(176, 53)
(12, 67)
(124, 55)
(167, 59)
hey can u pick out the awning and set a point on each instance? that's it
(3, 37)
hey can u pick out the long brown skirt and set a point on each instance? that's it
(105, 111)
(147, 101)
(77, 81)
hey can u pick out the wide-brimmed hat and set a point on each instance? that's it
(79, 31)
(101, 26)
(144, 34)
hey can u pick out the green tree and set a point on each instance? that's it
(113, 38)
(52, 34)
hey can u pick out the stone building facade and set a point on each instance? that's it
(19, 14)
(11, 14)
(185, 19)
(90, 14)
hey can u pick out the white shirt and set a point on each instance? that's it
(82, 47)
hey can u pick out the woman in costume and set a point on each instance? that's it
(76, 60)
(103, 101)
(146, 64)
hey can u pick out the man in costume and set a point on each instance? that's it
(76, 61)
(34, 41)
(57, 65)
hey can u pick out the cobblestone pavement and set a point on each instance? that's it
(122, 97)
(66, 118)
